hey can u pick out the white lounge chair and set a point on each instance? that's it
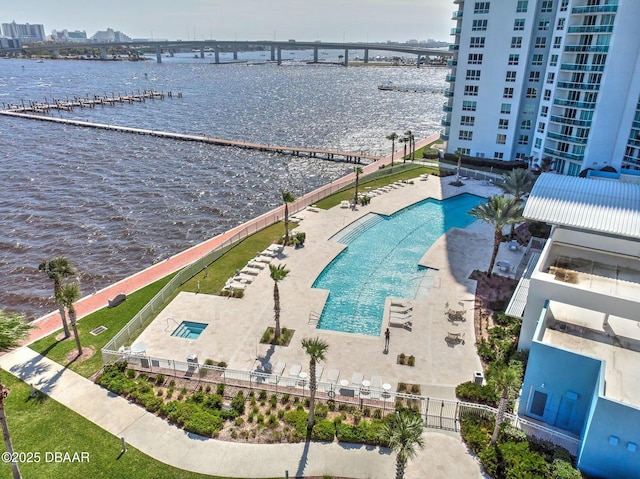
(345, 204)
(332, 379)
(244, 278)
(264, 258)
(294, 374)
(276, 248)
(356, 381)
(400, 309)
(277, 371)
(269, 253)
(256, 264)
(400, 322)
(251, 271)
(400, 315)
(397, 302)
(319, 371)
(376, 387)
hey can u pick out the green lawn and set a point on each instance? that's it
(44, 425)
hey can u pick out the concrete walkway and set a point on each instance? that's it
(444, 456)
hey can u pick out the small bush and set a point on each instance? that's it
(207, 389)
(285, 398)
(366, 412)
(239, 422)
(472, 392)
(160, 379)
(222, 364)
(238, 403)
(323, 431)
(220, 389)
(377, 414)
(172, 383)
(411, 361)
(262, 396)
(209, 362)
(561, 469)
(131, 373)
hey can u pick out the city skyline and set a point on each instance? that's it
(326, 20)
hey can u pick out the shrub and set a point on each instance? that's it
(207, 389)
(377, 414)
(477, 393)
(357, 416)
(197, 398)
(238, 403)
(172, 383)
(475, 432)
(220, 389)
(366, 412)
(222, 364)
(490, 460)
(150, 402)
(285, 398)
(323, 431)
(131, 373)
(239, 421)
(273, 420)
(348, 433)
(260, 418)
(561, 469)
(297, 419)
(262, 396)
(209, 362)
(321, 411)
(213, 402)
(411, 361)
(203, 424)
(520, 461)
(273, 400)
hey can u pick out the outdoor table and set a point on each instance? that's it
(139, 348)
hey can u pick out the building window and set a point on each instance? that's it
(534, 76)
(465, 135)
(468, 105)
(541, 42)
(501, 139)
(522, 6)
(563, 5)
(540, 127)
(528, 109)
(473, 75)
(532, 92)
(553, 61)
(507, 93)
(514, 58)
(498, 155)
(544, 111)
(557, 41)
(547, 6)
(475, 59)
(511, 76)
(537, 59)
(467, 120)
(516, 42)
(471, 90)
(479, 25)
(503, 124)
(551, 77)
(505, 109)
(518, 24)
(543, 25)
(525, 125)
(523, 139)
(538, 142)
(560, 25)
(547, 95)
(481, 7)
(607, 19)
(477, 42)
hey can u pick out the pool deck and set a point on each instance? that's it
(236, 325)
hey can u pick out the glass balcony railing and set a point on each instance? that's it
(445, 121)
(447, 108)
(563, 154)
(456, 31)
(591, 29)
(454, 47)
(456, 15)
(595, 9)
(587, 48)
(450, 77)
(563, 120)
(452, 63)
(448, 93)
(567, 138)
(444, 136)
(581, 67)
(576, 104)
(578, 86)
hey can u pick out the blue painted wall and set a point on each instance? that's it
(599, 457)
(570, 383)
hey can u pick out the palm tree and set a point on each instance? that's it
(505, 379)
(68, 295)
(287, 197)
(517, 183)
(13, 329)
(404, 140)
(393, 137)
(57, 269)
(316, 349)
(403, 432)
(498, 211)
(358, 171)
(278, 273)
(412, 143)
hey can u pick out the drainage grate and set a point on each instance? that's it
(98, 330)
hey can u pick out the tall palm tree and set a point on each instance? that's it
(57, 269)
(316, 349)
(506, 380)
(404, 140)
(517, 183)
(412, 143)
(68, 295)
(498, 211)
(358, 171)
(403, 432)
(393, 137)
(287, 197)
(13, 329)
(278, 273)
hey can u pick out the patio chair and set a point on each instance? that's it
(319, 371)
(269, 253)
(400, 309)
(454, 338)
(376, 387)
(399, 303)
(332, 380)
(294, 374)
(250, 270)
(344, 204)
(256, 264)
(264, 258)
(276, 372)
(356, 381)
(401, 323)
(400, 315)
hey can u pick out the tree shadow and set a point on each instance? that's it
(304, 458)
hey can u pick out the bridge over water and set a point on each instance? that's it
(216, 46)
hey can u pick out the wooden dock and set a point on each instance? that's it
(334, 155)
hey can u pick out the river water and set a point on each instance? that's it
(116, 203)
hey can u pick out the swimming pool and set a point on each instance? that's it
(381, 260)
(189, 330)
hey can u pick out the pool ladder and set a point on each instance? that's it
(313, 318)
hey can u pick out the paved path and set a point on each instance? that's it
(445, 455)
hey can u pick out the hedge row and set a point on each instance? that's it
(488, 162)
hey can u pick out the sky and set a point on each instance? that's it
(310, 20)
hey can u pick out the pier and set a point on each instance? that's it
(29, 112)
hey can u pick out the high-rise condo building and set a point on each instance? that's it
(547, 81)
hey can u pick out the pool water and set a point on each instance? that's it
(381, 260)
(189, 330)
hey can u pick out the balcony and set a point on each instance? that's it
(447, 108)
(578, 86)
(563, 120)
(445, 121)
(576, 104)
(448, 93)
(579, 67)
(454, 47)
(563, 154)
(595, 9)
(452, 63)
(567, 138)
(456, 31)
(450, 78)
(587, 48)
(591, 29)
(457, 15)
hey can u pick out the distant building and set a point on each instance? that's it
(110, 36)
(580, 321)
(65, 36)
(10, 43)
(546, 80)
(24, 32)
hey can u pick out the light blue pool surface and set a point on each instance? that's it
(381, 260)
(189, 330)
